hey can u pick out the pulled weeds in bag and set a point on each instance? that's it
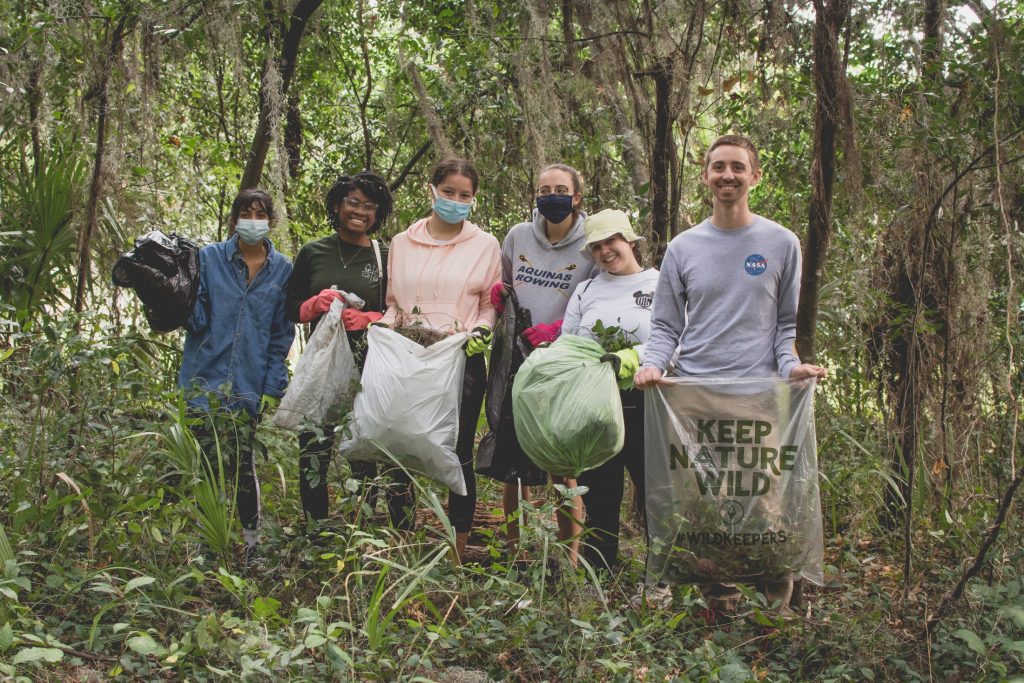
(326, 377)
(409, 405)
(567, 409)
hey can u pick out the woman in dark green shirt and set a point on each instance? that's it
(349, 260)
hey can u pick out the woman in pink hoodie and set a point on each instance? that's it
(440, 272)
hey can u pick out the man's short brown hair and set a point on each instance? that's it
(736, 141)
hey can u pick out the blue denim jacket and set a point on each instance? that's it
(238, 335)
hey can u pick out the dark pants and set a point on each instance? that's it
(606, 484)
(461, 508)
(315, 458)
(234, 434)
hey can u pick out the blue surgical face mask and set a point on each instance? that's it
(252, 230)
(555, 207)
(449, 210)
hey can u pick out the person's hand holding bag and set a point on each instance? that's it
(315, 306)
(544, 333)
(480, 340)
(498, 293)
(354, 320)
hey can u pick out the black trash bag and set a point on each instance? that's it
(499, 455)
(164, 272)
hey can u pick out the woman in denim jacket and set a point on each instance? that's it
(237, 339)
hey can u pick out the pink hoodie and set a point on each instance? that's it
(449, 284)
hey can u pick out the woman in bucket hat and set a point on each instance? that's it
(619, 296)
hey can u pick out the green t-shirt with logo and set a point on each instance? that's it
(331, 261)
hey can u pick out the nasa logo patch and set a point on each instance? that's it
(755, 264)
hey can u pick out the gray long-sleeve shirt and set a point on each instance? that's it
(728, 300)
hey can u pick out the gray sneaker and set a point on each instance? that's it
(654, 597)
(253, 561)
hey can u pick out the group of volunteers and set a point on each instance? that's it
(709, 312)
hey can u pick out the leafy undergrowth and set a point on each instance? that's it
(108, 572)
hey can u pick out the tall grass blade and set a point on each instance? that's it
(6, 551)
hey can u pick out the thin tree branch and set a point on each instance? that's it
(409, 165)
(979, 559)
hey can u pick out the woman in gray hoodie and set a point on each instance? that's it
(542, 261)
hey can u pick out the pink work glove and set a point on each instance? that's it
(498, 294)
(315, 306)
(354, 319)
(543, 333)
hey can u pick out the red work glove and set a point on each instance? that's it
(354, 319)
(315, 306)
(498, 294)
(540, 334)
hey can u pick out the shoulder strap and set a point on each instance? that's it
(380, 272)
(376, 252)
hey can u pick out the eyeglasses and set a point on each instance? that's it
(353, 203)
(545, 191)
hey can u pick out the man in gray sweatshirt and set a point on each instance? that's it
(727, 297)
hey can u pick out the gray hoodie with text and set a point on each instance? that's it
(544, 275)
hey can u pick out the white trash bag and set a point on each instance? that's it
(732, 481)
(326, 377)
(409, 404)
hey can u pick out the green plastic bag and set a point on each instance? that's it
(566, 405)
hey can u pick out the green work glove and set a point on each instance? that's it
(624, 364)
(268, 402)
(629, 363)
(480, 340)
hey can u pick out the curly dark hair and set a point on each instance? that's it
(372, 185)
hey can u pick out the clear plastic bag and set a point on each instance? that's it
(326, 377)
(409, 404)
(567, 408)
(732, 481)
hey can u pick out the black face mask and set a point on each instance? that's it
(555, 207)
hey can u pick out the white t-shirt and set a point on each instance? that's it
(623, 301)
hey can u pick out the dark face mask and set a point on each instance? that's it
(555, 207)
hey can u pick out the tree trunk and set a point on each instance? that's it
(608, 70)
(102, 93)
(291, 31)
(293, 137)
(828, 20)
(364, 102)
(435, 128)
(933, 15)
(661, 155)
(569, 36)
(34, 96)
(912, 295)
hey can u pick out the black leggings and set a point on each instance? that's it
(462, 508)
(315, 458)
(606, 484)
(234, 435)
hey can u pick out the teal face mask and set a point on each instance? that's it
(252, 231)
(449, 210)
